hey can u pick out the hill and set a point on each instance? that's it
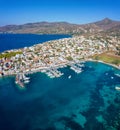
(63, 27)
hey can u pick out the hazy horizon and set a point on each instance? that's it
(60, 21)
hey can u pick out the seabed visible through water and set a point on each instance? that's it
(86, 101)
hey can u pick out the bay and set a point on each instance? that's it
(85, 101)
(16, 41)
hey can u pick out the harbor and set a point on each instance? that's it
(52, 72)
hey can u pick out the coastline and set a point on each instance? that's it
(47, 70)
(52, 55)
(115, 66)
(36, 70)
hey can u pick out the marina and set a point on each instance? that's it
(52, 72)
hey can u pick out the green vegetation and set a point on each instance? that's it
(112, 59)
(9, 54)
(69, 58)
(118, 50)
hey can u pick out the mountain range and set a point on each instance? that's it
(105, 25)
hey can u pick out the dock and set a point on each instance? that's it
(75, 68)
(22, 79)
(53, 72)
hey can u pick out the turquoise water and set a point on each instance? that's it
(87, 101)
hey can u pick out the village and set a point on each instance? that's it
(51, 55)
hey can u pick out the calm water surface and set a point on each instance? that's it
(15, 41)
(86, 101)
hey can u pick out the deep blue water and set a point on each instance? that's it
(15, 41)
(87, 101)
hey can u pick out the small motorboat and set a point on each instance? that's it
(69, 76)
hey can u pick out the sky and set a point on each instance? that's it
(72, 11)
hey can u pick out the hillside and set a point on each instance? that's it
(62, 27)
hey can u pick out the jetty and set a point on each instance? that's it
(80, 65)
(53, 72)
(75, 68)
(22, 79)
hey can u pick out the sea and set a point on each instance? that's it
(86, 101)
(16, 41)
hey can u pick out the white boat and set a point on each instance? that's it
(117, 88)
(112, 77)
(25, 77)
(43, 71)
(76, 69)
(26, 81)
(80, 65)
(69, 77)
(52, 76)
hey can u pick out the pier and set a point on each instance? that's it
(75, 68)
(21, 79)
(53, 72)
